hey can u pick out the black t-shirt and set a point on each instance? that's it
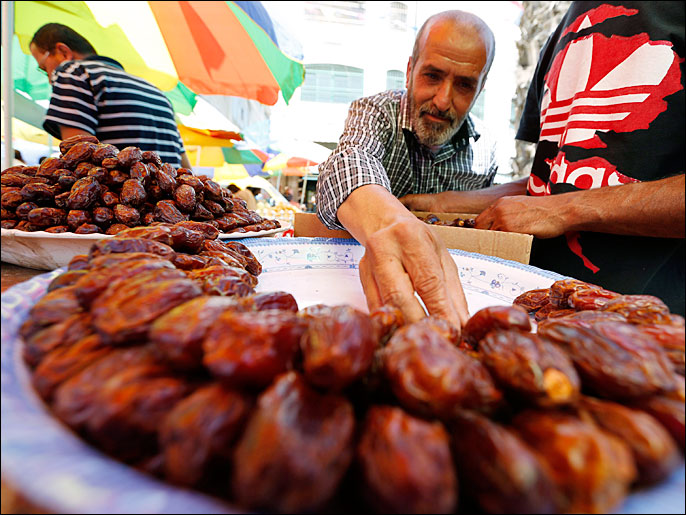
(606, 107)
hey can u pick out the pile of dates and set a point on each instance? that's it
(456, 222)
(95, 188)
(155, 348)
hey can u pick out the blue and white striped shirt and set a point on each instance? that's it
(96, 95)
(378, 146)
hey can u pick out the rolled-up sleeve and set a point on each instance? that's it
(357, 160)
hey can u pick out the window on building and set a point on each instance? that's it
(332, 83)
(478, 107)
(395, 79)
(337, 12)
(398, 15)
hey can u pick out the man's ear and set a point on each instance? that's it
(409, 71)
(66, 52)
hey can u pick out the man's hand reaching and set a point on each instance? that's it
(402, 256)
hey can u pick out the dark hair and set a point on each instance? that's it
(47, 37)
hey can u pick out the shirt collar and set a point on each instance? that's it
(97, 58)
(103, 59)
(459, 140)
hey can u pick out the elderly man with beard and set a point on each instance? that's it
(417, 141)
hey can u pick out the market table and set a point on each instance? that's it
(13, 274)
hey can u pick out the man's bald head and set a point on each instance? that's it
(460, 20)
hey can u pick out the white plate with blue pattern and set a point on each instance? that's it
(42, 250)
(57, 470)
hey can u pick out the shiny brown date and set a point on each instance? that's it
(12, 199)
(88, 229)
(200, 432)
(405, 463)
(58, 229)
(614, 360)
(561, 290)
(81, 151)
(179, 333)
(654, 450)
(124, 312)
(68, 278)
(119, 245)
(68, 143)
(103, 216)
(385, 321)
(224, 280)
(132, 193)
(140, 172)
(498, 470)
(104, 273)
(303, 475)
(66, 332)
(185, 198)
(166, 211)
(590, 299)
(431, 376)
(280, 300)
(533, 369)
(338, 348)
(84, 193)
(593, 481)
(47, 216)
(104, 151)
(129, 156)
(494, 317)
(126, 215)
(76, 217)
(65, 361)
(671, 339)
(39, 193)
(54, 307)
(23, 210)
(639, 309)
(209, 231)
(252, 348)
(669, 412)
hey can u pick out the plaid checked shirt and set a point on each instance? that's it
(378, 147)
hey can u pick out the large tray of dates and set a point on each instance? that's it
(51, 212)
(155, 375)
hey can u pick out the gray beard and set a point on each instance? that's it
(428, 133)
(432, 134)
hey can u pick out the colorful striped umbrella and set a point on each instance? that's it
(296, 154)
(228, 172)
(213, 48)
(244, 155)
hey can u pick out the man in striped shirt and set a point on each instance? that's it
(416, 142)
(92, 94)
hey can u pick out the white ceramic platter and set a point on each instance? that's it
(46, 251)
(55, 469)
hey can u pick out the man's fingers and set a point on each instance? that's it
(371, 290)
(432, 285)
(395, 287)
(406, 201)
(455, 290)
(484, 220)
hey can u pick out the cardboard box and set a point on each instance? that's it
(505, 245)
